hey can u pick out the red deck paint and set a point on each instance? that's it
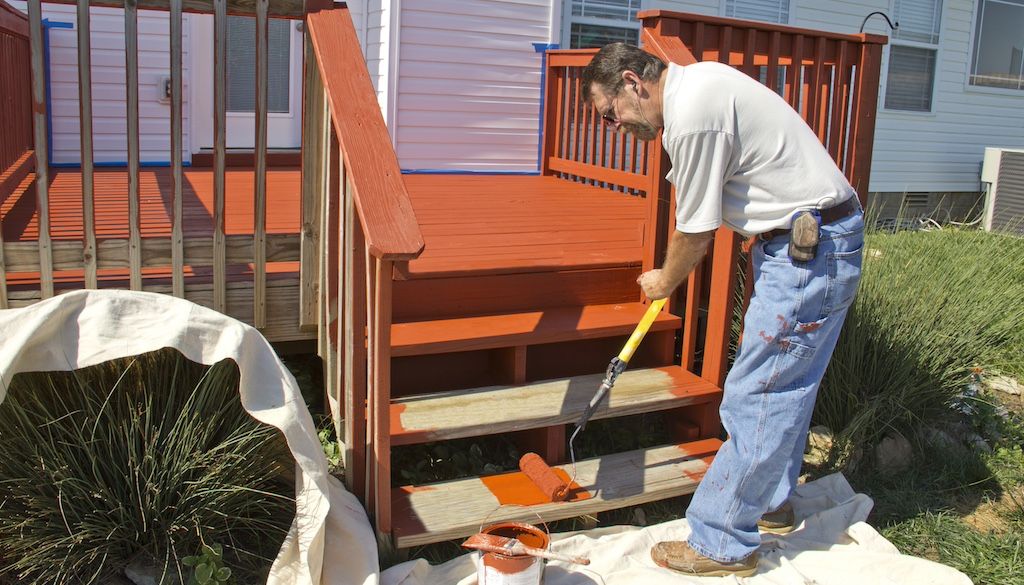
(516, 488)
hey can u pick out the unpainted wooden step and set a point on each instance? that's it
(522, 328)
(501, 409)
(444, 511)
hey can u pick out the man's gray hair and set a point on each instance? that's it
(607, 66)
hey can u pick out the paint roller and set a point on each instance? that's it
(534, 467)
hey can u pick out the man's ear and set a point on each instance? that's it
(631, 79)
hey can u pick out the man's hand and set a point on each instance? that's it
(654, 284)
(684, 252)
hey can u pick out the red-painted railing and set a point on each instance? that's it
(15, 101)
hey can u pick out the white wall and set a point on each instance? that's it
(468, 87)
(109, 99)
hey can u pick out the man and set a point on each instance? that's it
(741, 157)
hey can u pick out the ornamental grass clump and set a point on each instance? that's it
(143, 459)
(933, 307)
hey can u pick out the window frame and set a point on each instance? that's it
(936, 77)
(982, 89)
(568, 20)
(789, 21)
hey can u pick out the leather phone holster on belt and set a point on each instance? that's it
(803, 239)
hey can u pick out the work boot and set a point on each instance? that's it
(779, 521)
(678, 556)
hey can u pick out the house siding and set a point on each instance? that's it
(468, 88)
(940, 151)
(110, 143)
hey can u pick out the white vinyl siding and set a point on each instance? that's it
(110, 142)
(468, 88)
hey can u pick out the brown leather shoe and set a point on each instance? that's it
(781, 521)
(678, 556)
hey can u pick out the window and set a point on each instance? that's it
(913, 55)
(595, 23)
(998, 59)
(764, 10)
(242, 64)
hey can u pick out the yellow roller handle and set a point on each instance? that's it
(641, 330)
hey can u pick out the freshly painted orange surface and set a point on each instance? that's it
(156, 211)
(517, 489)
(492, 224)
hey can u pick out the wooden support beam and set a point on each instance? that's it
(315, 123)
(177, 173)
(42, 146)
(85, 140)
(220, 101)
(131, 55)
(260, 204)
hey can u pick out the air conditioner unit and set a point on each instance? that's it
(1002, 174)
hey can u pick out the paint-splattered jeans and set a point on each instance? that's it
(789, 332)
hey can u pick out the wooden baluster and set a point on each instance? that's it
(42, 182)
(838, 123)
(814, 97)
(131, 55)
(795, 79)
(353, 299)
(772, 78)
(259, 243)
(720, 305)
(381, 361)
(315, 124)
(177, 174)
(85, 133)
(220, 100)
(748, 53)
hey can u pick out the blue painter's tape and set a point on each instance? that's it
(118, 164)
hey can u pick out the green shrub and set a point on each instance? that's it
(931, 307)
(149, 457)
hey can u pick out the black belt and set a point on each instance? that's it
(830, 215)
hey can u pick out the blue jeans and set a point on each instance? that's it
(789, 332)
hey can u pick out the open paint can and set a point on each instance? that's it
(499, 569)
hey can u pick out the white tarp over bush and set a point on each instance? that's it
(331, 541)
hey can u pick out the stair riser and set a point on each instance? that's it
(438, 298)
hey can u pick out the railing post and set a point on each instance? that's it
(177, 175)
(865, 105)
(42, 183)
(314, 128)
(85, 131)
(259, 243)
(220, 100)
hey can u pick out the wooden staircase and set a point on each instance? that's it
(454, 307)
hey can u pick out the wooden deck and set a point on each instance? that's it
(473, 225)
(499, 224)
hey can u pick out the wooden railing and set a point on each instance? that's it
(833, 85)
(16, 156)
(368, 228)
(140, 254)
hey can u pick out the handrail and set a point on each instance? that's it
(643, 15)
(385, 210)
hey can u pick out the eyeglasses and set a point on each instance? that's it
(610, 115)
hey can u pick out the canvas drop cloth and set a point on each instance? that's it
(331, 541)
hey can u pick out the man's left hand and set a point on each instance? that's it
(654, 284)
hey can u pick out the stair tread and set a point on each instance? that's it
(504, 330)
(454, 509)
(499, 409)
